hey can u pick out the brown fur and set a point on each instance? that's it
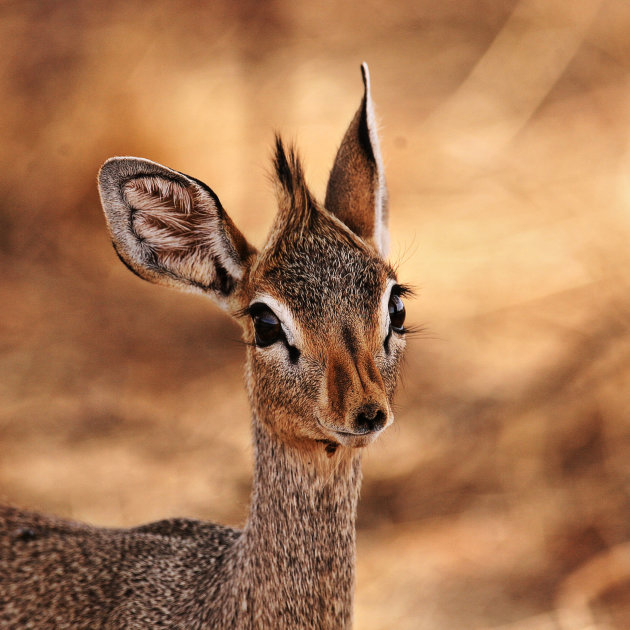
(356, 190)
(315, 393)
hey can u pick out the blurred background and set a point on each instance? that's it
(501, 497)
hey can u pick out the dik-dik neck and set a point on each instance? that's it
(299, 541)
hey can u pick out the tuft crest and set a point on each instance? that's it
(295, 201)
(296, 204)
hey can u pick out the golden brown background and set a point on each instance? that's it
(500, 499)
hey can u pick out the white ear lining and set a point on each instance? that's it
(227, 261)
(381, 237)
(214, 235)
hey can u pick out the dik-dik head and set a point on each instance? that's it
(321, 310)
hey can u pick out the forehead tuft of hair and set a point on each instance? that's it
(295, 201)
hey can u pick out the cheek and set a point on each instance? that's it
(389, 366)
(283, 387)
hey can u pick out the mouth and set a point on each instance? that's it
(351, 439)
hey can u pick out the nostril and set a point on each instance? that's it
(370, 418)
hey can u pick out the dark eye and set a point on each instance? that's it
(396, 310)
(267, 326)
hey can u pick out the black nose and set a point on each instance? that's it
(370, 418)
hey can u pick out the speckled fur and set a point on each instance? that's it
(292, 565)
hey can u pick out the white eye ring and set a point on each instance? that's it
(385, 323)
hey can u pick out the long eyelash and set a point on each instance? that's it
(251, 310)
(242, 312)
(414, 331)
(405, 290)
(242, 342)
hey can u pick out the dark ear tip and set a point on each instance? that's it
(365, 75)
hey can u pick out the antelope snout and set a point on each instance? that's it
(370, 418)
(356, 409)
(360, 425)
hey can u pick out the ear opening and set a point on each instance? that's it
(171, 229)
(356, 191)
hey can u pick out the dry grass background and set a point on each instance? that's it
(500, 499)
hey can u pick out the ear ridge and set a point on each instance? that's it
(171, 229)
(357, 192)
(381, 201)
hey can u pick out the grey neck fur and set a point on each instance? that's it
(298, 547)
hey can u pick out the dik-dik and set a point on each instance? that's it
(323, 319)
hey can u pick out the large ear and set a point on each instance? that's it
(356, 191)
(171, 229)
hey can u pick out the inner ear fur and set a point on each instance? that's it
(356, 191)
(171, 229)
